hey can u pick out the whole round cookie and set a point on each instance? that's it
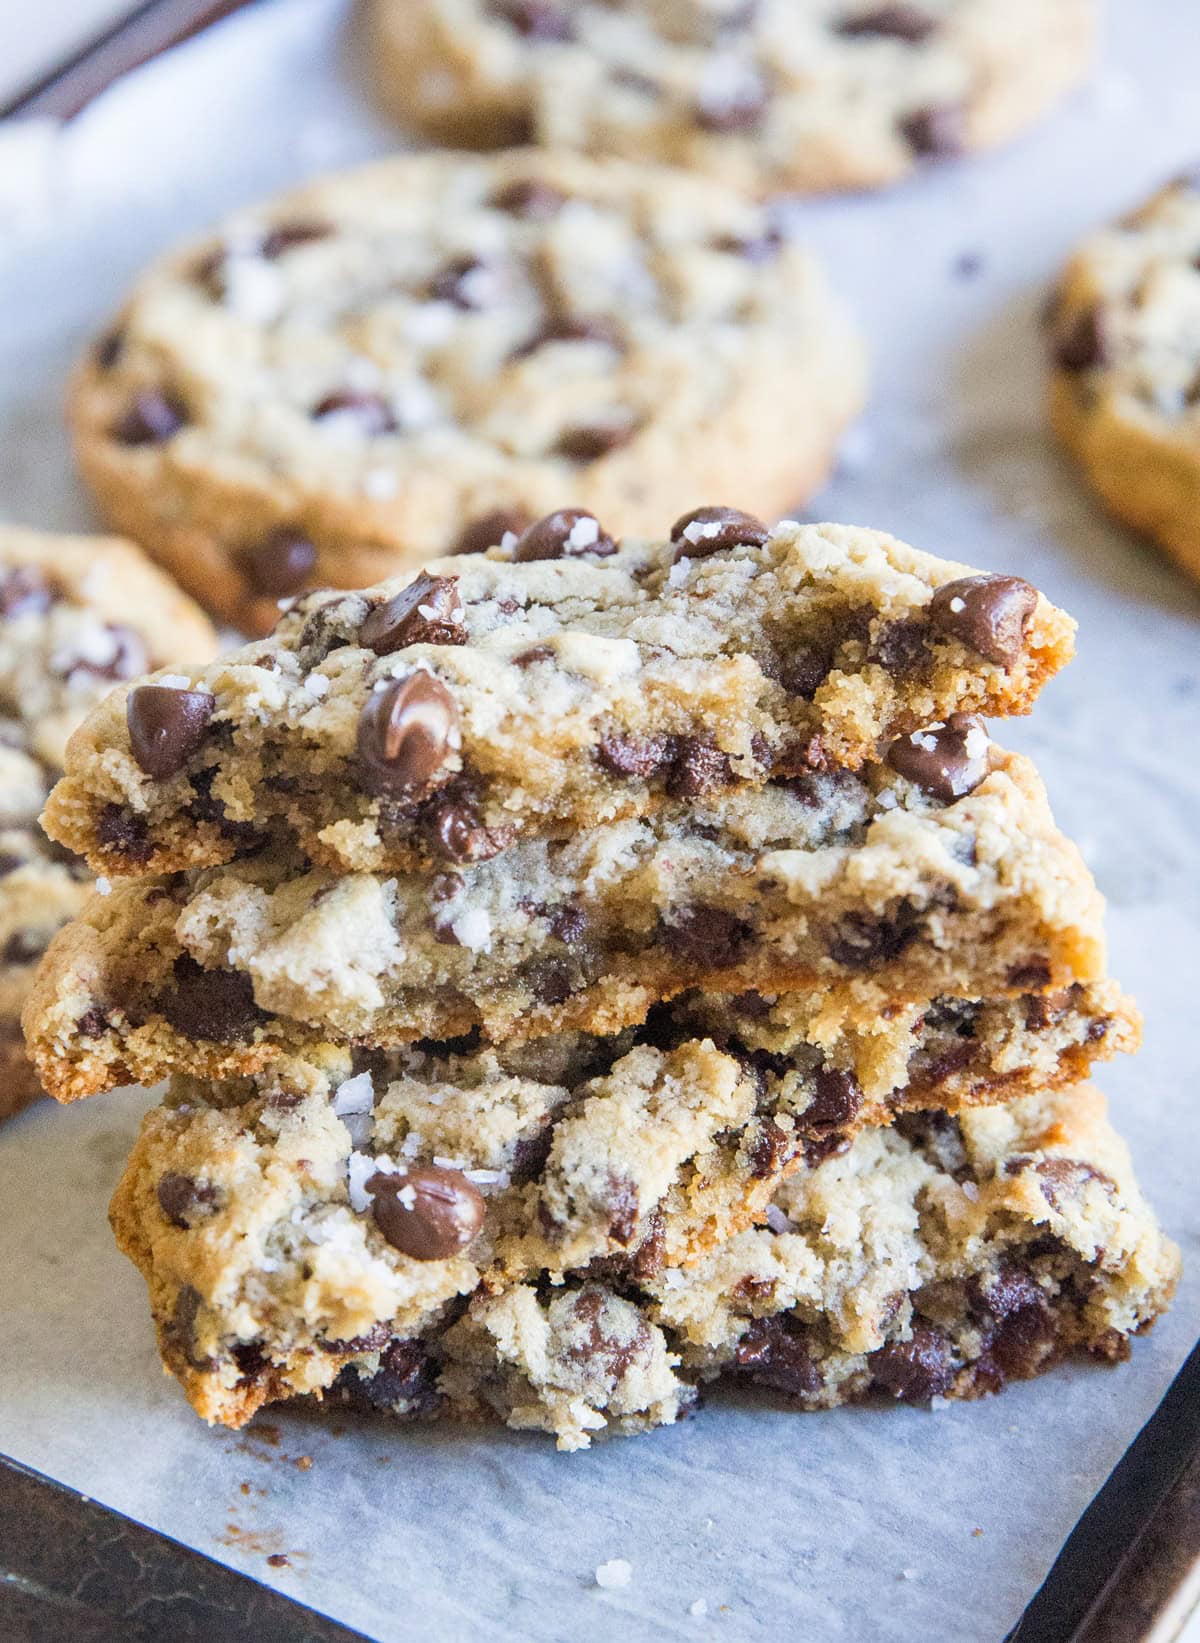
(772, 95)
(324, 392)
(1124, 335)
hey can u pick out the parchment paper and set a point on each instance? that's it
(863, 1524)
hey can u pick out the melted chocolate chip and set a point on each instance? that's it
(1084, 344)
(124, 832)
(935, 133)
(489, 530)
(772, 1148)
(991, 614)
(125, 659)
(837, 1100)
(166, 726)
(551, 981)
(23, 946)
(896, 22)
(179, 1334)
(706, 531)
(863, 941)
(404, 1385)
(775, 1352)
(371, 411)
(754, 248)
(916, 1369)
(566, 328)
(946, 761)
(185, 1200)
(530, 1155)
(623, 1210)
(406, 735)
(456, 830)
(109, 348)
(92, 1022)
(902, 648)
(1029, 977)
(588, 443)
(803, 673)
(281, 564)
(152, 417)
(213, 1004)
(709, 937)
(287, 236)
(1044, 1010)
(698, 768)
(428, 611)
(567, 923)
(613, 1355)
(24, 591)
(635, 756)
(1064, 1180)
(459, 283)
(428, 1213)
(567, 534)
(1007, 1291)
(530, 198)
(535, 19)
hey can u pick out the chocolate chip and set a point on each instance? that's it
(588, 443)
(184, 1200)
(179, 1333)
(371, 411)
(738, 106)
(772, 1148)
(837, 1100)
(287, 236)
(530, 198)
(213, 1004)
(935, 133)
(1029, 977)
(698, 768)
(1044, 1010)
(1084, 344)
(705, 531)
(902, 648)
(567, 534)
(92, 1023)
(109, 348)
(863, 941)
(752, 248)
(404, 1384)
(151, 418)
(281, 564)
(166, 726)
(535, 19)
(126, 656)
(460, 283)
(914, 1370)
(428, 1213)
(709, 937)
(775, 1352)
(623, 1210)
(489, 530)
(24, 591)
(991, 614)
(551, 981)
(1064, 1180)
(567, 923)
(23, 946)
(1019, 1348)
(612, 1353)
(428, 611)
(819, 1148)
(1009, 1290)
(635, 756)
(406, 734)
(898, 22)
(946, 761)
(530, 1155)
(456, 830)
(122, 831)
(567, 329)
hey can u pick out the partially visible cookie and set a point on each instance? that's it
(1124, 337)
(77, 615)
(556, 683)
(794, 96)
(410, 359)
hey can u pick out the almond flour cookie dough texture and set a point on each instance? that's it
(416, 356)
(1124, 329)
(550, 685)
(883, 879)
(288, 1253)
(77, 614)
(774, 95)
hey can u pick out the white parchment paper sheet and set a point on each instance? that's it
(880, 1524)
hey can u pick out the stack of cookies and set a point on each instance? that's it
(588, 970)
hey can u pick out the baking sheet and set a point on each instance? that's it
(879, 1523)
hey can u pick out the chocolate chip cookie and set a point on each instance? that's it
(778, 96)
(77, 615)
(1124, 336)
(412, 359)
(555, 683)
(304, 1236)
(882, 878)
